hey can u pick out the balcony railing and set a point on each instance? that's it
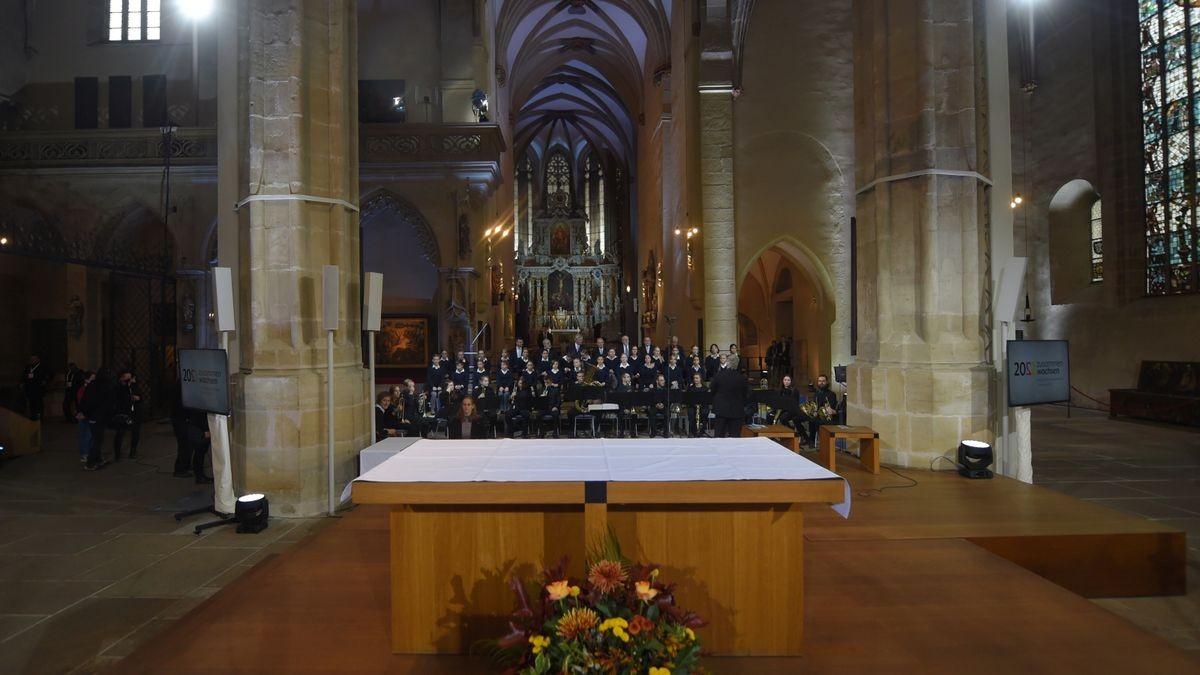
(105, 147)
(400, 143)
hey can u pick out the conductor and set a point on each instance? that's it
(730, 389)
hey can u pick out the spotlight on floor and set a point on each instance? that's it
(251, 513)
(974, 458)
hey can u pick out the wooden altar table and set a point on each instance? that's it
(722, 518)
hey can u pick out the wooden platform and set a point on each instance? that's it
(1092, 550)
(898, 588)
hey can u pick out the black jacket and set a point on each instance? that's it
(730, 389)
(479, 428)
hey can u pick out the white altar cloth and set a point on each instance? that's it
(608, 460)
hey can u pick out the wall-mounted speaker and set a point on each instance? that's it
(373, 302)
(329, 278)
(223, 294)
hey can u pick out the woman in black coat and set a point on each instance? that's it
(468, 423)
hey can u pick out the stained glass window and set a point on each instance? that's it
(594, 179)
(1097, 244)
(558, 182)
(134, 20)
(1170, 106)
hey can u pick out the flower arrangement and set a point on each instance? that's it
(620, 620)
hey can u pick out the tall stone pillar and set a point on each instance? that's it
(921, 378)
(716, 176)
(300, 148)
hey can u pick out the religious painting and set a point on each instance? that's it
(561, 286)
(402, 342)
(560, 240)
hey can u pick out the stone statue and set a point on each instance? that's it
(464, 238)
(75, 314)
(189, 313)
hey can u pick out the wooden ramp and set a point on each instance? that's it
(880, 599)
(1092, 550)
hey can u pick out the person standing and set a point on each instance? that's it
(97, 409)
(85, 431)
(33, 383)
(730, 389)
(74, 380)
(734, 360)
(127, 397)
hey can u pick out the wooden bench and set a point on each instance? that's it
(776, 431)
(868, 444)
(1167, 391)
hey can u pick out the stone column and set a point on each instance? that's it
(921, 379)
(301, 137)
(716, 177)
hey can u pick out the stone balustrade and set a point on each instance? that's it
(105, 147)
(386, 143)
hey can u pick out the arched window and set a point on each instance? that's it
(523, 204)
(558, 181)
(1170, 94)
(594, 202)
(1097, 244)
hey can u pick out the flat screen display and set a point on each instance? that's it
(1039, 371)
(204, 379)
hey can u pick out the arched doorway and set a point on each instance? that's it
(781, 302)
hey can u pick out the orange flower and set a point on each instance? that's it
(607, 576)
(558, 590)
(640, 623)
(576, 622)
(645, 591)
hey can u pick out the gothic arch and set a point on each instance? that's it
(385, 201)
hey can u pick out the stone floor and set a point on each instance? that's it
(92, 564)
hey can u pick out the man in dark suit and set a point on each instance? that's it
(625, 348)
(33, 382)
(518, 355)
(730, 389)
(576, 350)
(827, 404)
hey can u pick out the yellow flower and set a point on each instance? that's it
(659, 671)
(574, 591)
(539, 643)
(691, 634)
(644, 591)
(620, 633)
(558, 590)
(654, 573)
(613, 624)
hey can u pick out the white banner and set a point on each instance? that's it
(218, 431)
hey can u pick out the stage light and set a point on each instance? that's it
(3, 241)
(251, 513)
(487, 232)
(974, 458)
(677, 231)
(195, 9)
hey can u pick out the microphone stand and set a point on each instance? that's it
(471, 360)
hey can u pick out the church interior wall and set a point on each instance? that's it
(1087, 127)
(398, 40)
(794, 143)
(66, 40)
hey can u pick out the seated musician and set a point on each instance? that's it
(697, 415)
(449, 400)
(384, 423)
(520, 410)
(548, 416)
(659, 414)
(626, 415)
(398, 412)
(579, 406)
(826, 402)
(785, 417)
(468, 423)
(486, 399)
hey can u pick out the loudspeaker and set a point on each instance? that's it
(1008, 297)
(373, 302)
(223, 285)
(329, 278)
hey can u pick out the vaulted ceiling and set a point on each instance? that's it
(576, 70)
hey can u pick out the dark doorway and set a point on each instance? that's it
(142, 336)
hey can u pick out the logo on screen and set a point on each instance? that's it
(1039, 368)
